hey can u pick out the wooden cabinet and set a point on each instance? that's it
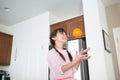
(70, 25)
(77, 22)
(5, 48)
(58, 25)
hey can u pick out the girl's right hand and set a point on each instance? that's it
(82, 55)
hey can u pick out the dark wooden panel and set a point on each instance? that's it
(5, 48)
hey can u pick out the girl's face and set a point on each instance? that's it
(61, 37)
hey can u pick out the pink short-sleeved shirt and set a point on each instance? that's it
(55, 62)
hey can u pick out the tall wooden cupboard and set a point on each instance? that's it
(5, 48)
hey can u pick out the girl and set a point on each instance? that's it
(61, 64)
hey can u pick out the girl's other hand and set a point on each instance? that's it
(82, 55)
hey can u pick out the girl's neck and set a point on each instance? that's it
(59, 46)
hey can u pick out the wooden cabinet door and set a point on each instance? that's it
(5, 48)
(77, 22)
(58, 25)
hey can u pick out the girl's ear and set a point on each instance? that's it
(53, 38)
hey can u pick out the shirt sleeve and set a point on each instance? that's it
(55, 63)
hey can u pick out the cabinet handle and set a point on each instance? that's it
(15, 54)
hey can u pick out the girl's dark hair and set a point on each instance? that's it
(52, 35)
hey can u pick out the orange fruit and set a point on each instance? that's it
(77, 32)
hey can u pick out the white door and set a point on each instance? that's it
(116, 33)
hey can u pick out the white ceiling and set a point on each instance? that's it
(20, 10)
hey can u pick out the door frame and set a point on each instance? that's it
(117, 43)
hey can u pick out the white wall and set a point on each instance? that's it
(30, 47)
(108, 56)
(100, 64)
(113, 22)
(54, 19)
(2, 27)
